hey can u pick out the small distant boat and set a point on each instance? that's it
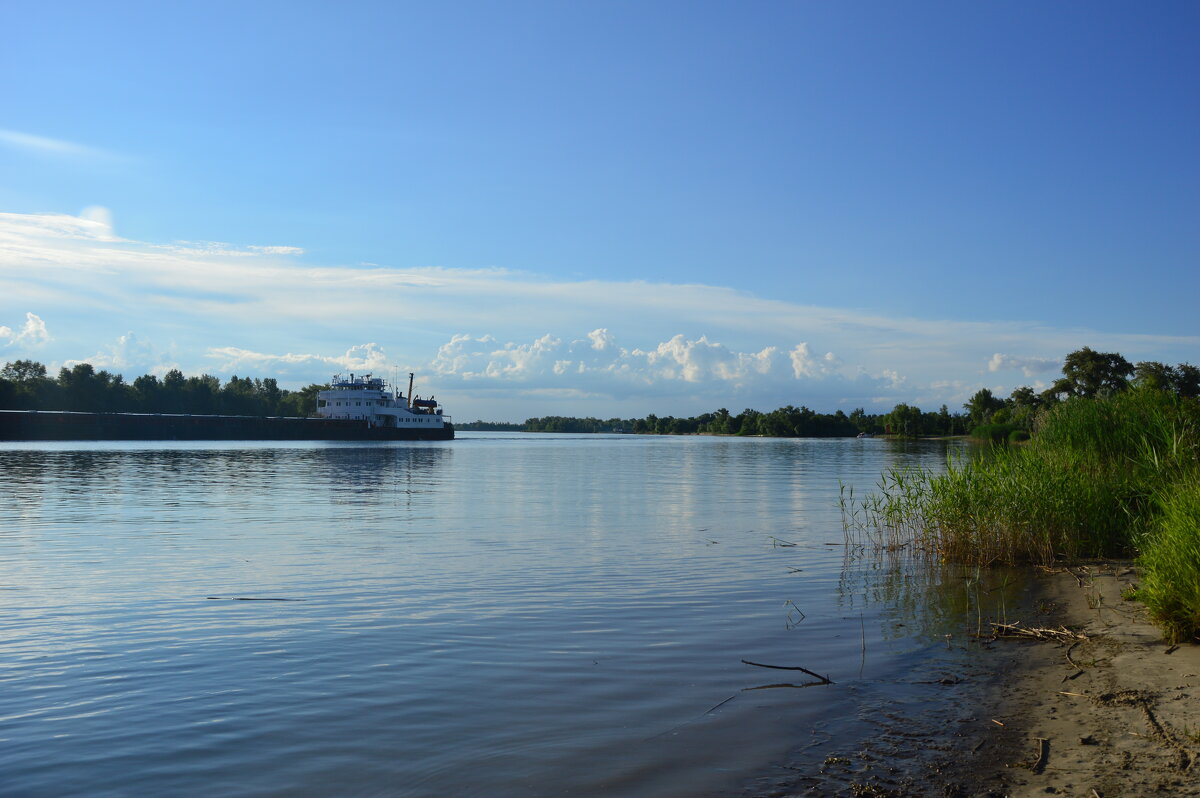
(866, 435)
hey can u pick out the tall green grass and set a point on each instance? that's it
(1112, 477)
(1171, 562)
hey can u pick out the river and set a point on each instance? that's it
(500, 615)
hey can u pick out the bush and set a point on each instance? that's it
(1109, 477)
(1171, 562)
(1018, 436)
(996, 433)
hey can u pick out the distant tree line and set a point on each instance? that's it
(24, 385)
(1086, 373)
(784, 422)
(490, 426)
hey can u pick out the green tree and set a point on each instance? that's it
(1087, 372)
(904, 420)
(23, 371)
(302, 402)
(1183, 379)
(982, 406)
(147, 392)
(28, 387)
(1023, 405)
(87, 390)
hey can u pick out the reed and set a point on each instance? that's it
(1111, 477)
(1171, 562)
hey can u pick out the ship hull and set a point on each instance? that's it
(24, 425)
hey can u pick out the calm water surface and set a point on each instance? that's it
(500, 615)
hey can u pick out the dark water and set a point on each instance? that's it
(499, 615)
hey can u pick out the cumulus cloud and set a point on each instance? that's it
(601, 339)
(805, 364)
(214, 306)
(700, 360)
(1029, 366)
(32, 333)
(363, 358)
(678, 358)
(130, 355)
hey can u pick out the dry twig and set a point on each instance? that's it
(1043, 752)
(1060, 635)
(824, 679)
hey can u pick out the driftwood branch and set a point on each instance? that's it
(824, 679)
(1060, 635)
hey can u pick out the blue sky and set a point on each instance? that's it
(602, 208)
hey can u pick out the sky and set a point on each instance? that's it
(602, 208)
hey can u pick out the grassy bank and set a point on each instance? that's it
(1113, 477)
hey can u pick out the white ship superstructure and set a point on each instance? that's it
(368, 399)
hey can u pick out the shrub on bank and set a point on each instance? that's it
(1171, 562)
(996, 433)
(1110, 477)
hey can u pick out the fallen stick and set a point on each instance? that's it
(1043, 752)
(824, 679)
(1060, 635)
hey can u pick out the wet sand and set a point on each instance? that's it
(1107, 710)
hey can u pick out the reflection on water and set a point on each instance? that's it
(499, 615)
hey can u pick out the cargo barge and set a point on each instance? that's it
(353, 409)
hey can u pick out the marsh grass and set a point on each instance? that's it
(1171, 562)
(1112, 477)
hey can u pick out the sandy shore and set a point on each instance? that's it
(1106, 709)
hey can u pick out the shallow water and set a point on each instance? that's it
(504, 614)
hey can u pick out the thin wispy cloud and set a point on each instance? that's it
(44, 145)
(493, 339)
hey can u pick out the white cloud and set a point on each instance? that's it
(805, 364)
(28, 142)
(493, 332)
(601, 339)
(361, 359)
(130, 355)
(101, 219)
(895, 380)
(1029, 366)
(277, 250)
(33, 333)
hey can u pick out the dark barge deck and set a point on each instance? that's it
(56, 425)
